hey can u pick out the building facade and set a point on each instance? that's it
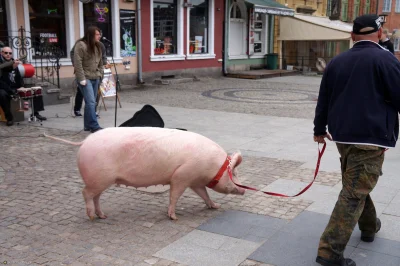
(182, 38)
(59, 23)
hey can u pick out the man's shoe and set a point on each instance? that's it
(41, 118)
(77, 113)
(368, 236)
(95, 130)
(10, 123)
(86, 129)
(339, 262)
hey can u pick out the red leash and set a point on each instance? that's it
(320, 153)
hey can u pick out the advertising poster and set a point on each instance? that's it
(108, 85)
(128, 32)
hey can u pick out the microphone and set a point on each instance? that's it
(107, 40)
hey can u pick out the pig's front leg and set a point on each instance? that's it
(176, 190)
(202, 192)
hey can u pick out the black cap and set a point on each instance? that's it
(366, 24)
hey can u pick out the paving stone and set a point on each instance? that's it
(369, 258)
(380, 245)
(313, 225)
(243, 225)
(284, 248)
(193, 249)
(390, 227)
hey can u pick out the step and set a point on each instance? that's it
(174, 81)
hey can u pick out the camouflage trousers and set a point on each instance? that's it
(361, 167)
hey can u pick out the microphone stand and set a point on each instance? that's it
(117, 88)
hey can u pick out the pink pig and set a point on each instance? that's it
(146, 156)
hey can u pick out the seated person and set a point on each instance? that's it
(10, 81)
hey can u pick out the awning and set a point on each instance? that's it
(271, 7)
(312, 28)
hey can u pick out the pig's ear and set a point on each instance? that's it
(236, 159)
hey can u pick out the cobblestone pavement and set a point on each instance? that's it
(293, 96)
(42, 215)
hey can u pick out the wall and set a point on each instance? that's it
(170, 66)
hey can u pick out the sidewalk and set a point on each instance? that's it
(279, 155)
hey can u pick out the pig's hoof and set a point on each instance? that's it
(173, 216)
(91, 218)
(101, 215)
(213, 205)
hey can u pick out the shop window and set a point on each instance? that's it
(259, 30)
(165, 15)
(3, 19)
(47, 22)
(235, 11)
(199, 29)
(98, 13)
(387, 5)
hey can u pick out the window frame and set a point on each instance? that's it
(397, 6)
(345, 7)
(179, 42)
(385, 2)
(211, 42)
(356, 9)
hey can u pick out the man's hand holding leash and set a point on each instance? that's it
(321, 139)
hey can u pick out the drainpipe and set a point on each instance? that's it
(377, 6)
(139, 42)
(225, 35)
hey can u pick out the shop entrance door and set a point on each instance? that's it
(237, 29)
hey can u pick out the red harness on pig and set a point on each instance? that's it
(227, 166)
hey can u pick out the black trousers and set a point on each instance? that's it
(5, 99)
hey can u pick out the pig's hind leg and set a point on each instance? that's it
(202, 192)
(92, 200)
(97, 208)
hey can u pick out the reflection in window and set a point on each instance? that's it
(165, 15)
(98, 13)
(198, 43)
(47, 20)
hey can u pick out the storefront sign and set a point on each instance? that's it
(127, 32)
(51, 37)
(275, 11)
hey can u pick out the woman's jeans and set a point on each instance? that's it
(89, 92)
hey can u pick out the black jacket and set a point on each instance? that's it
(359, 97)
(388, 45)
(10, 78)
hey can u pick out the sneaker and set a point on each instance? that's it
(77, 113)
(10, 123)
(368, 236)
(339, 262)
(95, 130)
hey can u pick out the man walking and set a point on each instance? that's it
(359, 100)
